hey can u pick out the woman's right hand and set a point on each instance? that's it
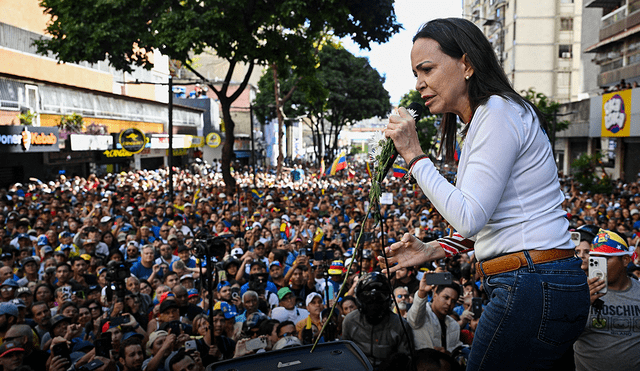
(409, 252)
(402, 130)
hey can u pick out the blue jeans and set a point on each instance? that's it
(534, 315)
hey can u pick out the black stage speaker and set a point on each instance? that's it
(337, 355)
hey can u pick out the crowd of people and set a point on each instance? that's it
(109, 270)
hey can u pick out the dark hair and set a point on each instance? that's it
(454, 286)
(62, 265)
(458, 37)
(283, 324)
(127, 343)
(266, 327)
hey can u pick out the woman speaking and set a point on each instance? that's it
(505, 203)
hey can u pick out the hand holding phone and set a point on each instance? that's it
(476, 307)
(255, 344)
(598, 268)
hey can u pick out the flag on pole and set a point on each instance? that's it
(322, 169)
(399, 171)
(339, 163)
(369, 169)
(351, 173)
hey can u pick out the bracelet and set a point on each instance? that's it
(416, 159)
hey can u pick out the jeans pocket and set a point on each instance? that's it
(564, 314)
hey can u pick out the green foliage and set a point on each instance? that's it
(584, 170)
(72, 123)
(426, 127)
(344, 88)
(264, 32)
(27, 118)
(357, 149)
(547, 107)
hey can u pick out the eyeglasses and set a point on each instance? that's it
(94, 308)
(164, 230)
(7, 288)
(406, 296)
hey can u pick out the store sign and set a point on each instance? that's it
(196, 141)
(133, 140)
(213, 140)
(179, 152)
(117, 153)
(81, 142)
(616, 114)
(25, 139)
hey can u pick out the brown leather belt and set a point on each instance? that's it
(511, 262)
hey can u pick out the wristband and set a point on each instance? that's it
(416, 159)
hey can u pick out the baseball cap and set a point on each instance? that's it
(22, 291)
(275, 262)
(284, 292)
(226, 309)
(336, 267)
(28, 259)
(222, 284)
(186, 276)
(9, 347)
(311, 296)
(10, 282)
(237, 251)
(19, 303)
(168, 304)
(154, 336)
(6, 255)
(46, 249)
(172, 237)
(105, 219)
(8, 308)
(287, 342)
(183, 248)
(609, 243)
(192, 293)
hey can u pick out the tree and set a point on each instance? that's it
(343, 90)
(124, 32)
(548, 107)
(426, 126)
(585, 169)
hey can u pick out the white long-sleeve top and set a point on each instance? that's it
(507, 196)
(427, 332)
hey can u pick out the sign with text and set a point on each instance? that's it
(132, 140)
(26, 139)
(82, 142)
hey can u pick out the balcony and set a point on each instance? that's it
(614, 76)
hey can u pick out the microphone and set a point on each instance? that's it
(415, 110)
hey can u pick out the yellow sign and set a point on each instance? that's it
(117, 153)
(179, 152)
(213, 140)
(133, 140)
(616, 114)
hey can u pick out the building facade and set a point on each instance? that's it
(537, 42)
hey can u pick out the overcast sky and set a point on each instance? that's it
(392, 58)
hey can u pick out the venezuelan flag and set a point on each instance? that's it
(399, 171)
(257, 194)
(456, 153)
(339, 163)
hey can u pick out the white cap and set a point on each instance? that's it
(105, 219)
(237, 251)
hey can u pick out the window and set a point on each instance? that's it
(564, 51)
(566, 24)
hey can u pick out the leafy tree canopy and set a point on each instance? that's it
(547, 106)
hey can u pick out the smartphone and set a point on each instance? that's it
(416, 231)
(117, 321)
(598, 268)
(476, 307)
(303, 252)
(439, 278)
(190, 346)
(255, 344)
(575, 238)
(62, 350)
(176, 327)
(103, 345)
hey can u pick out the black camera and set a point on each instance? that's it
(258, 282)
(205, 246)
(235, 292)
(117, 271)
